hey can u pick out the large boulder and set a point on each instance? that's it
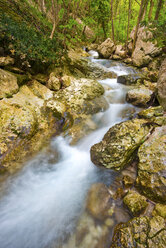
(107, 48)
(81, 96)
(151, 178)
(161, 85)
(141, 97)
(82, 67)
(145, 49)
(24, 121)
(119, 144)
(8, 84)
(140, 232)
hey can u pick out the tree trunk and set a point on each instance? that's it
(150, 10)
(140, 15)
(54, 22)
(145, 9)
(159, 7)
(128, 26)
(112, 21)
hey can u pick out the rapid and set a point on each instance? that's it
(42, 203)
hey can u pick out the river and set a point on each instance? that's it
(43, 202)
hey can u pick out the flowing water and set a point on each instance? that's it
(43, 202)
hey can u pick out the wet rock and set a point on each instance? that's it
(116, 57)
(99, 201)
(117, 148)
(89, 234)
(151, 112)
(8, 84)
(151, 178)
(141, 97)
(128, 181)
(80, 128)
(161, 85)
(140, 232)
(81, 67)
(107, 48)
(130, 79)
(4, 61)
(24, 121)
(53, 82)
(135, 202)
(121, 215)
(81, 96)
(128, 61)
(160, 210)
(150, 85)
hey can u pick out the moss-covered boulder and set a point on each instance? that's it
(8, 84)
(99, 201)
(82, 67)
(24, 121)
(81, 95)
(119, 144)
(151, 112)
(160, 210)
(135, 202)
(141, 97)
(151, 178)
(140, 232)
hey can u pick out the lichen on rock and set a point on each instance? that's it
(152, 166)
(117, 148)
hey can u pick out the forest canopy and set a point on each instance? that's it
(42, 28)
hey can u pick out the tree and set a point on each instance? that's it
(150, 10)
(128, 26)
(159, 7)
(112, 22)
(140, 15)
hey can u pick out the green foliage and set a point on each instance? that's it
(26, 42)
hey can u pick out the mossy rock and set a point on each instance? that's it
(141, 97)
(151, 168)
(8, 84)
(119, 144)
(140, 232)
(135, 202)
(160, 210)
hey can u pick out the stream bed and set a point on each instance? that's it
(44, 202)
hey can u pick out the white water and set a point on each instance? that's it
(44, 201)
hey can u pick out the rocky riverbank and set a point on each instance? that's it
(36, 107)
